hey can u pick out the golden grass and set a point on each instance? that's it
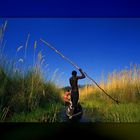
(123, 85)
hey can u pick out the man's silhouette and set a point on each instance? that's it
(74, 89)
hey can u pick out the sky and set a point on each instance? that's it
(97, 45)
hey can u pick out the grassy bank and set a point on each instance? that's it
(25, 95)
(48, 113)
(124, 86)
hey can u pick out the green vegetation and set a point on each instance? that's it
(100, 111)
(123, 86)
(49, 113)
(24, 94)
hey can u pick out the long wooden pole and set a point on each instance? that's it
(72, 63)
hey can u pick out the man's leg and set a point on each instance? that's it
(75, 102)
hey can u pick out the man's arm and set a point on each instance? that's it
(82, 74)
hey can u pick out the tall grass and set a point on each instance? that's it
(23, 90)
(124, 86)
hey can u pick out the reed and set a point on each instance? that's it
(24, 90)
(124, 86)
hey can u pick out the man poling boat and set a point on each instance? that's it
(75, 91)
(84, 74)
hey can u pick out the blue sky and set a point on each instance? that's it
(97, 45)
